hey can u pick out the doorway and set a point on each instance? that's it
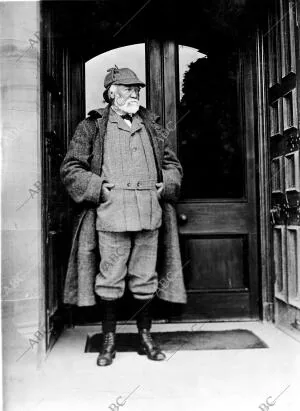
(202, 88)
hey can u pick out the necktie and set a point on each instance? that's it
(127, 117)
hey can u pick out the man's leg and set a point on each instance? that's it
(143, 284)
(114, 250)
(107, 351)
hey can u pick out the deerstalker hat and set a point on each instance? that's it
(123, 76)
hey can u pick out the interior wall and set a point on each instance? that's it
(22, 298)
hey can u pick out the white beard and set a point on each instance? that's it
(130, 106)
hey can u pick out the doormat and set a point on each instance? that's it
(184, 340)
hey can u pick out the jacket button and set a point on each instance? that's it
(138, 184)
(128, 184)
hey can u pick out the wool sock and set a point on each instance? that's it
(143, 316)
(109, 319)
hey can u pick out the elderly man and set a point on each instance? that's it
(120, 167)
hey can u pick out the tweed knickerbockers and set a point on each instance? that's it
(133, 253)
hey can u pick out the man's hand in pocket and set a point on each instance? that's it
(160, 188)
(105, 190)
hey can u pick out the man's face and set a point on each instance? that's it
(126, 98)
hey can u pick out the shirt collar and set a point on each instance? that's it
(137, 122)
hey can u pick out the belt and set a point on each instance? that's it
(135, 184)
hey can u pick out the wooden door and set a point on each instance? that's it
(282, 50)
(208, 109)
(62, 82)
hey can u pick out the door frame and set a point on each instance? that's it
(70, 93)
(264, 175)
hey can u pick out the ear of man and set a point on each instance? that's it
(112, 91)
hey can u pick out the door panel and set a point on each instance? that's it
(219, 196)
(169, 97)
(61, 90)
(153, 70)
(53, 201)
(283, 132)
(216, 263)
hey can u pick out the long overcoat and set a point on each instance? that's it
(81, 175)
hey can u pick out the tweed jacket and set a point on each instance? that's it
(81, 175)
(128, 163)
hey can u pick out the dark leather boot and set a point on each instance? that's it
(108, 349)
(149, 347)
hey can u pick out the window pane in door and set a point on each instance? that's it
(210, 141)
